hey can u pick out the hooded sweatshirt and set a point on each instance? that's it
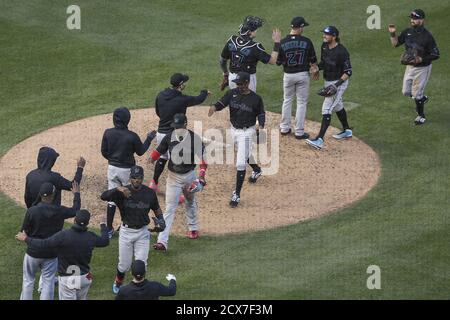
(73, 246)
(170, 102)
(44, 220)
(120, 144)
(35, 178)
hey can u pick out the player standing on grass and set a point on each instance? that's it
(420, 51)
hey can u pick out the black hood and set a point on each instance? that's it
(169, 94)
(121, 118)
(46, 158)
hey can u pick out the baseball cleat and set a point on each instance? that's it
(193, 234)
(154, 186)
(116, 286)
(254, 177)
(317, 143)
(419, 120)
(286, 132)
(235, 199)
(159, 247)
(347, 133)
(303, 136)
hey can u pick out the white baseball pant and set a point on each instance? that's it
(243, 140)
(48, 268)
(74, 287)
(232, 85)
(415, 80)
(132, 241)
(334, 102)
(117, 177)
(295, 85)
(177, 183)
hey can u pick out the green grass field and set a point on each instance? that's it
(125, 53)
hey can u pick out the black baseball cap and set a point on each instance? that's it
(47, 189)
(417, 14)
(242, 77)
(138, 269)
(179, 121)
(177, 79)
(331, 30)
(82, 217)
(299, 22)
(137, 172)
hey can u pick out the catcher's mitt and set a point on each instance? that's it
(328, 91)
(224, 83)
(160, 224)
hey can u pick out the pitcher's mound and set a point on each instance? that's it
(308, 184)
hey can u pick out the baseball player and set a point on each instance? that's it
(74, 248)
(134, 201)
(337, 69)
(245, 107)
(43, 221)
(298, 57)
(168, 103)
(420, 50)
(142, 289)
(119, 146)
(185, 150)
(45, 161)
(244, 53)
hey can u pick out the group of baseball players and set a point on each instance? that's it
(52, 250)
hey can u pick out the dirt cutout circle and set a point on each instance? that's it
(309, 183)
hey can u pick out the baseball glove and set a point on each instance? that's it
(410, 57)
(328, 91)
(224, 83)
(160, 224)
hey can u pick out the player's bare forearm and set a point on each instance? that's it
(394, 41)
(211, 111)
(345, 77)
(273, 57)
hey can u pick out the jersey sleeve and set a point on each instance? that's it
(401, 38)
(312, 53)
(224, 101)
(261, 54)
(226, 52)
(346, 63)
(154, 203)
(432, 51)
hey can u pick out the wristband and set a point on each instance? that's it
(276, 46)
(339, 82)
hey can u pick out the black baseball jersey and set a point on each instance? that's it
(422, 40)
(244, 108)
(296, 54)
(334, 62)
(185, 151)
(135, 209)
(244, 54)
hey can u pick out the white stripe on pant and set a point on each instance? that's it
(176, 184)
(74, 287)
(132, 241)
(295, 84)
(232, 85)
(334, 102)
(48, 269)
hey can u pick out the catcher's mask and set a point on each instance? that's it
(250, 24)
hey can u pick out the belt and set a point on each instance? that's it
(243, 128)
(132, 227)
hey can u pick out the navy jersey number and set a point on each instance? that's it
(295, 58)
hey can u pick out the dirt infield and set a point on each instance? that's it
(309, 183)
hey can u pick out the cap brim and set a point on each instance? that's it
(305, 24)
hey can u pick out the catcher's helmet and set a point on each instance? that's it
(250, 23)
